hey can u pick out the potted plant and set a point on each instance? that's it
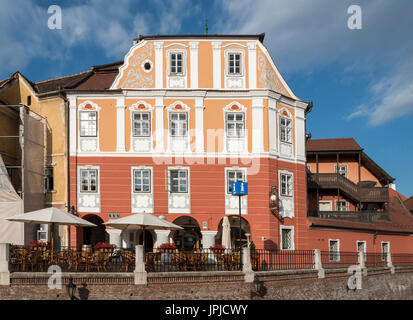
(254, 256)
(217, 248)
(105, 247)
(38, 245)
(167, 247)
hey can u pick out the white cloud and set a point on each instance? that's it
(103, 24)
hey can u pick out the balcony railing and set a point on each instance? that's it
(354, 191)
(354, 216)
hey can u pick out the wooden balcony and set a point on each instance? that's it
(353, 216)
(348, 187)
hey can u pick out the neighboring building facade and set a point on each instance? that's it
(351, 203)
(44, 100)
(168, 131)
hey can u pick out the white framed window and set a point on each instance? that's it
(235, 124)
(286, 184)
(334, 250)
(176, 63)
(341, 169)
(234, 176)
(88, 123)
(287, 238)
(286, 129)
(141, 124)
(361, 246)
(142, 181)
(178, 124)
(178, 180)
(234, 63)
(88, 180)
(385, 248)
(341, 205)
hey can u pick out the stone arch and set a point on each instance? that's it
(234, 223)
(188, 239)
(93, 235)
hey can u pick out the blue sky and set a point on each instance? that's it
(361, 81)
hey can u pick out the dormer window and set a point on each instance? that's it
(176, 63)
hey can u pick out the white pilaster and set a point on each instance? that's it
(115, 237)
(194, 63)
(272, 126)
(141, 277)
(73, 125)
(300, 134)
(216, 62)
(257, 125)
(120, 124)
(159, 125)
(162, 236)
(252, 65)
(208, 239)
(199, 125)
(4, 264)
(158, 64)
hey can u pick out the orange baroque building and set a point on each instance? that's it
(167, 130)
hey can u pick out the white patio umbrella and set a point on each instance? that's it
(142, 221)
(226, 233)
(51, 216)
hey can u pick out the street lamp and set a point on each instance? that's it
(70, 289)
(258, 285)
(274, 198)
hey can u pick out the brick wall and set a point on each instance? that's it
(378, 284)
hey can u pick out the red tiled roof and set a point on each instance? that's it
(336, 144)
(401, 220)
(55, 84)
(409, 203)
(97, 81)
(98, 78)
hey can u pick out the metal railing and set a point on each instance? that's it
(205, 260)
(402, 259)
(26, 259)
(337, 259)
(375, 259)
(354, 216)
(356, 192)
(263, 260)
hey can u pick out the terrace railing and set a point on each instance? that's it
(402, 259)
(205, 260)
(374, 259)
(336, 259)
(263, 260)
(24, 259)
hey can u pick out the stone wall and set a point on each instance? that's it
(379, 283)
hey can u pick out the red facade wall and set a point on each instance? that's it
(207, 190)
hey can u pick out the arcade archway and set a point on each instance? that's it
(93, 235)
(188, 239)
(235, 238)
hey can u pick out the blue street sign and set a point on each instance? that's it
(239, 188)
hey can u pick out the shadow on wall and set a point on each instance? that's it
(270, 245)
(83, 292)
